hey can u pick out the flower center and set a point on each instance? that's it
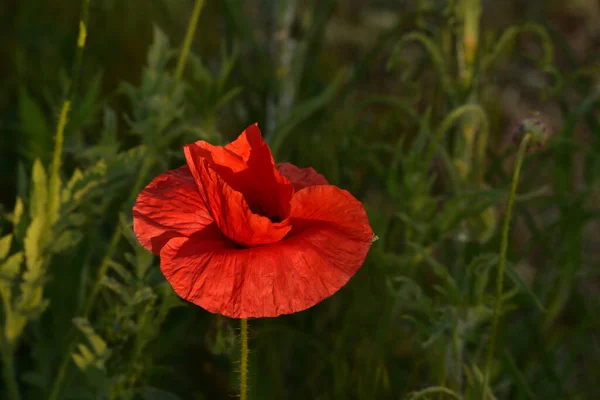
(259, 210)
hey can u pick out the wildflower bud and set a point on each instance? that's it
(536, 127)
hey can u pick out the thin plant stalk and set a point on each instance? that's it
(244, 360)
(467, 48)
(8, 369)
(502, 264)
(54, 181)
(447, 124)
(116, 237)
(189, 37)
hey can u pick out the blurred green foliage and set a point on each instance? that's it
(407, 104)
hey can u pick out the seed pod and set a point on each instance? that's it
(537, 127)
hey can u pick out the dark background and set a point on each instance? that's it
(417, 314)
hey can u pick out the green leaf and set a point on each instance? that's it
(438, 329)
(168, 297)
(151, 393)
(479, 269)
(85, 358)
(519, 377)
(39, 190)
(5, 243)
(54, 195)
(92, 361)
(109, 134)
(435, 53)
(404, 288)
(9, 270)
(32, 286)
(19, 223)
(117, 287)
(18, 212)
(14, 323)
(22, 181)
(228, 96)
(303, 111)
(143, 259)
(35, 142)
(142, 295)
(430, 391)
(157, 54)
(234, 14)
(122, 271)
(33, 250)
(68, 189)
(98, 344)
(509, 38)
(522, 286)
(91, 178)
(66, 240)
(84, 109)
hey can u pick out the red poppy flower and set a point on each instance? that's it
(241, 236)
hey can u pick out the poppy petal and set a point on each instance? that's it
(301, 177)
(246, 195)
(233, 215)
(329, 242)
(250, 138)
(168, 207)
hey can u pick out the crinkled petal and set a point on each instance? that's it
(233, 215)
(247, 166)
(249, 139)
(247, 197)
(328, 244)
(301, 177)
(168, 207)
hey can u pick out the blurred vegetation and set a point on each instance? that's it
(407, 104)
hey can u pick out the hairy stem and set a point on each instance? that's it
(502, 264)
(244, 360)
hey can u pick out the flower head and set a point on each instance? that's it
(244, 237)
(534, 125)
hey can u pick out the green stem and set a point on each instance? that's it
(189, 37)
(244, 361)
(447, 124)
(54, 181)
(8, 369)
(502, 263)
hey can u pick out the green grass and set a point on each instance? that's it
(410, 107)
